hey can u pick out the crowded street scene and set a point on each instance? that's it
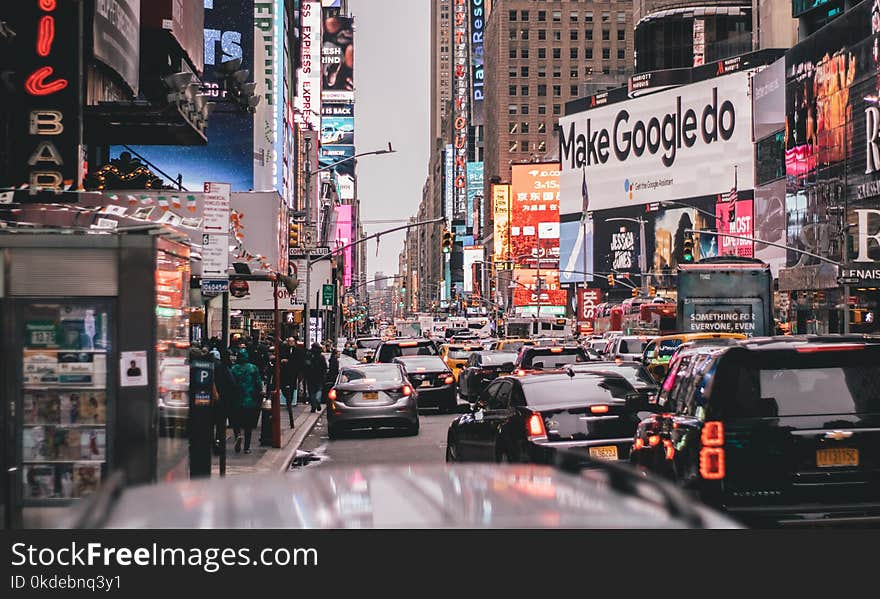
(534, 264)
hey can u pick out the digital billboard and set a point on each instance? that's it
(343, 237)
(474, 193)
(337, 57)
(526, 288)
(534, 217)
(270, 71)
(116, 37)
(461, 94)
(501, 223)
(308, 78)
(575, 240)
(228, 156)
(674, 144)
(337, 130)
(472, 254)
(478, 24)
(448, 183)
(735, 218)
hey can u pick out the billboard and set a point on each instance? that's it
(587, 300)
(186, 22)
(478, 23)
(337, 130)
(769, 226)
(461, 95)
(526, 288)
(472, 255)
(270, 72)
(501, 222)
(675, 144)
(735, 218)
(448, 183)
(337, 58)
(534, 216)
(116, 37)
(343, 237)
(769, 100)
(474, 193)
(575, 251)
(228, 156)
(308, 78)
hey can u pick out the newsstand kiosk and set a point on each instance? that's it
(90, 325)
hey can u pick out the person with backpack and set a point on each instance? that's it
(315, 373)
(246, 411)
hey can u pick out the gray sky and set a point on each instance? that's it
(392, 99)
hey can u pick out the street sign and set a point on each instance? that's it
(300, 253)
(848, 280)
(216, 208)
(214, 286)
(215, 256)
(328, 295)
(309, 236)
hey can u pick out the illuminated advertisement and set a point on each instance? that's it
(461, 94)
(526, 288)
(575, 240)
(501, 222)
(332, 154)
(534, 215)
(478, 23)
(343, 237)
(308, 78)
(269, 75)
(587, 300)
(735, 218)
(669, 236)
(770, 224)
(337, 58)
(474, 193)
(472, 254)
(337, 130)
(228, 156)
(448, 182)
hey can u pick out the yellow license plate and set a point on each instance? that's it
(605, 452)
(371, 395)
(839, 456)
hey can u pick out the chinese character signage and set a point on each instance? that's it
(534, 218)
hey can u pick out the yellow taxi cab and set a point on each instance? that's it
(658, 352)
(456, 355)
(512, 345)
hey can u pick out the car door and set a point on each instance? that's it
(465, 379)
(494, 419)
(470, 424)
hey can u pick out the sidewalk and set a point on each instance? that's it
(265, 459)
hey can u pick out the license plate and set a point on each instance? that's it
(840, 456)
(605, 452)
(425, 384)
(371, 395)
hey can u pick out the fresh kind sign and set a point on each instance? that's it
(672, 145)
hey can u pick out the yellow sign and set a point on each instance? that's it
(501, 216)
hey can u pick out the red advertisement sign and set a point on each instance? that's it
(588, 299)
(525, 292)
(534, 215)
(735, 219)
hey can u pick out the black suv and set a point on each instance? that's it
(533, 357)
(777, 430)
(395, 348)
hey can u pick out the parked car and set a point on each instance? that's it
(372, 396)
(528, 418)
(777, 430)
(482, 368)
(394, 348)
(432, 380)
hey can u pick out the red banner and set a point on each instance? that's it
(588, 299)
(736, 219)
(534, 215)
(526, 291)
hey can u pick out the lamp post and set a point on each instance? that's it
(643, 260)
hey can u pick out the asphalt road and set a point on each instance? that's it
(384, 446)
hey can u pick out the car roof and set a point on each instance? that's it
(401, 496)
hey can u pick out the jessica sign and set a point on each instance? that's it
(675, 144)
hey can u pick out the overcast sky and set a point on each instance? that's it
(392, 67)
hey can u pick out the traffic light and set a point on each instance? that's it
(688, 250)
(293, 232)
(448, 240)
(611, 280)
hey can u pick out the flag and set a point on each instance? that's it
(731, 197)
(191, 203)
(175, 201)
(585, 196)
(163, 202)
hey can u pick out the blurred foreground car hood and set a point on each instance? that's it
(441, 496)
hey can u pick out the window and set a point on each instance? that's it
(542, 34)
(542, 15)
(511, 90)
(557, 73)
(588, 16)
(542, 52)
(621, 54)
(511, 34)
(511, 109)
(542, 71)
(511, 146)
(621, 70)
(557, 110)
(621, 17)
(542, 108)
(511, 15)
(573, 35)
(542, 146)
(588, 53)
(524, 53)
(573, 74)
(524, 15)
(512, 53)
(573, 53)
(524, 71)
(524, 109)
(606, 53)
(524, 34)
(606, 70)
(542, 91)
(573, 16)
(557, 90)
(524, 145)
(557, 52)
(606, 16)
(557, 36)
(606, 35)
(557, 16)
(512, 127)
(542, 126)
(588, 35)
(573, 91)
(524, 90)
(524, 128)
(511, 72)
(621, 35)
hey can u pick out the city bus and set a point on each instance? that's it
(523, 327)
(725, 294)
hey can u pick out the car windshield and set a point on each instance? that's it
(430, 363)
(370, 374)
(634, 373)
(498, 359)
(515, 345)
(461, 353)
(667, 348)
(368, 343)
(631, 346)
(553, 359)
(390, 351)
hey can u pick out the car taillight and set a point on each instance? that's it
(670, 449)
(535, 427)
(712, 463)
(599, 409)
(712, 434)
(449, 380)
(331, 395)
(334, 409)
(653, 440)
(520, 372)
(406, 390)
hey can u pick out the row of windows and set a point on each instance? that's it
(526, 146)
(514, 127)
(542, 90)
(573, 35)
(524, 109)
(573, 16)
(573, 53)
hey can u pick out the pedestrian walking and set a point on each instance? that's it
(298, 369)
(228, 393)
(332, 373)
(316, 371)
(247, 409)
(289, 375)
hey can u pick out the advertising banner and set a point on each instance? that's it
(587, 300)
(228, 156)
(769, 224)
(337, 58)
(534, 193)
(768, 99)
(337, 130)
(461, 95)
(332, 154)
(116, 37)
(501, 222)
(478, 23)
(675, 144)
(185, 20)
(270, 68)
(575, 239)
(343, 237)
(308, 78)
(474, 192)
(525, 292)
(448, 183)
(472, 255)
(736, 219)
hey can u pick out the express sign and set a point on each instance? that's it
(48, 128)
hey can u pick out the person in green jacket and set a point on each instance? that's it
(247, 409)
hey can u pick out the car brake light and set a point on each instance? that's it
(830, 347)
(556, 350)
(163, 389)
(599, 409)
(334, 409)
(639, 443)
(712, 463)
(713, 434)
(535, 427)
(449, 380)
(408, 344)
(406, 390)
(331, 395)
(520, 372)
(670, 449)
